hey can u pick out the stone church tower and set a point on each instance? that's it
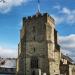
(39, 52)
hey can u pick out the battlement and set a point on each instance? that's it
(37, 15)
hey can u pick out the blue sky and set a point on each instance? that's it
(12, 11)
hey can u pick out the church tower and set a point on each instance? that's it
(39, 52)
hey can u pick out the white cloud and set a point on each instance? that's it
(58, 19)
(65, 15)
(70, 15)
(8, 4)
(67, 44)
(65, 11)
(57, 7)
(8, 52)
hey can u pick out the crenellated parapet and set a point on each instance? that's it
(37, 15)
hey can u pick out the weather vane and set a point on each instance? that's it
(2, 1)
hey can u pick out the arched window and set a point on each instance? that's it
(33, 73)
(34, 62)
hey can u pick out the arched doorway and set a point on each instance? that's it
(34, 62)
(33, 72)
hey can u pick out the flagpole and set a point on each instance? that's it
(38, 6)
